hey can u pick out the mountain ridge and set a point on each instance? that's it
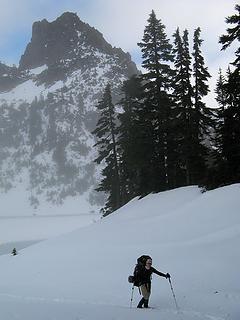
(48, 110)
(52, 41)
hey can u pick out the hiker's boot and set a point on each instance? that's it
(141, 302)
(145, 303)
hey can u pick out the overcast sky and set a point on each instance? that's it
(121, 22)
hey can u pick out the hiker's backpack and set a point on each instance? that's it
(141, 262)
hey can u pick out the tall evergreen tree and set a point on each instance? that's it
(106, 134)
(183, 93)
(217, 172)
(231, 124)
(233, 34)
(221, 98)
(231, 128)
(134, 151)
(157, 56)
(202, 116)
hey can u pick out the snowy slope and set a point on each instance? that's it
(83, 274)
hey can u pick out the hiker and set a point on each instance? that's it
(142, 273)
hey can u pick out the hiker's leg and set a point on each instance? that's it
(141, 302)
(145, 289)
(145, 303)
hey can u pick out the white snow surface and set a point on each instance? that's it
(82, 274)
(16, 203)
(38, 70)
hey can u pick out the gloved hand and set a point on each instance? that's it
(168, 276)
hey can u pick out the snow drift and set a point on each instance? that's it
(83, 274)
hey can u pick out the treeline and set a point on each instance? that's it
(162, 134)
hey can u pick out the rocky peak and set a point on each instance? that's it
(64, 39)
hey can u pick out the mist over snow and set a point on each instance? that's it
(82, 274)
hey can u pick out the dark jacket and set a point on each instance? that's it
(143, 275)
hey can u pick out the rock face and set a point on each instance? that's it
(67, 44)
(47, 109)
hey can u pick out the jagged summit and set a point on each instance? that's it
(66, 39)
(52, 41)
(62, 47)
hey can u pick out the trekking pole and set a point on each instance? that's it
(132, 296)
(174, 296)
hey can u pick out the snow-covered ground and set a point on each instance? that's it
(20, 232)
(82, 274)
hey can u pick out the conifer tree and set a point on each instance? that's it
(202, 116)
(233, 34)
(130, 144)
(217, 172)
(106, 134)
(183, 93)
(231, 128)
(221, 98)
(231, 124)
(157, 56)
(14, 252)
